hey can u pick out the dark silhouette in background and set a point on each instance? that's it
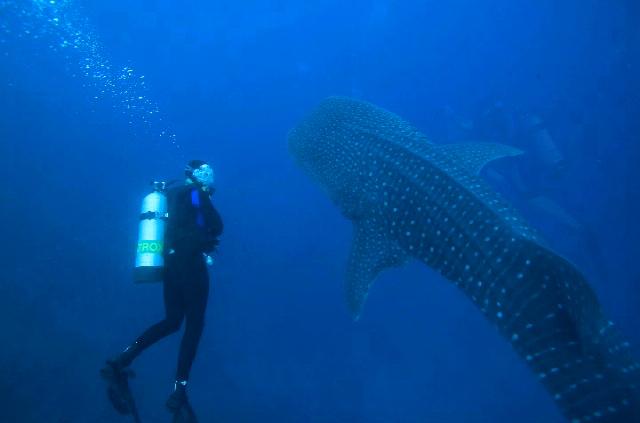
(532, 179)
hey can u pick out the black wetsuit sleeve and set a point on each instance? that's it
(194, 224)
(213, 226)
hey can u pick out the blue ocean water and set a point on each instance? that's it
(99, 98)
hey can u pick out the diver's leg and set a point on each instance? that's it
(196, 292)
(196, 297)
(116, 373)
(174, 309)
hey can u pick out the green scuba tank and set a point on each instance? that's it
(153, 219)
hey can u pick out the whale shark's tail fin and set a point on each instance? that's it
(553, 319)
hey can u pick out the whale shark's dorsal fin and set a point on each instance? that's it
(475, 155)
(371, 253)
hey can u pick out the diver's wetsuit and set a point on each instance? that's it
(193, 228)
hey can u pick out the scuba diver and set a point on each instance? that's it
(193, 227)
(533, 178)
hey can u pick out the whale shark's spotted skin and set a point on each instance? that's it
(408, 198)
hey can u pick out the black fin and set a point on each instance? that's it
(118, 390)
(185, 414)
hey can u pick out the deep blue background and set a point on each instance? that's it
(232, 78)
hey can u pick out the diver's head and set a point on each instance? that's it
(200, 173)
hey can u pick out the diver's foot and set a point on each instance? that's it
(118, 391)
(126, 357)
(114, 364)
(177, 399)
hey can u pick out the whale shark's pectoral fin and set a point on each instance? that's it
(475, 155)
(371, 253)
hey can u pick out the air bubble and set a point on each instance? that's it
(60, 24)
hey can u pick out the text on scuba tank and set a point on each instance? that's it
(150, 247)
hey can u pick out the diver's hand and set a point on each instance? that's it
(208, 259)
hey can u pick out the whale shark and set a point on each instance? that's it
(411, 199)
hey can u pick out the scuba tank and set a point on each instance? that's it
(542, 146)
(153, 219)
